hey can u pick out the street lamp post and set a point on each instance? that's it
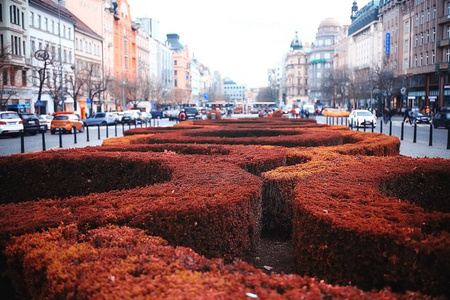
(60, 55)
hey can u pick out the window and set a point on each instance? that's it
(5, 77)
(175, 83)
(426, 58)
(52, 29)
(405, 64)
(421, 59)
(24, 77)
(422, 17)
(433, 57)
(415, 60)
(39, 21)
(1, 12)
(434, 12)
(448, 8)
(46, 24)
(406, 46)
(33, 47)
(175, 72)
(69, 33)
(428, 37)
(428, 14)
(433, 35)
(175, 62)
(447, 55)
(421, 38)
(14, 14)
(417, 20)
(64, 31)
(416, 39)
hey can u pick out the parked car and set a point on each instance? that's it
(31, 123)
(48, 119)
(192, 113)
(327, 111)
(172, 114)
(442, 118)
(340, 112)
(146, 117)
(101, 118)
(42, 123)
(10, 123)
(66, 121)
(131, 117)
(419, 117)
(362, 117)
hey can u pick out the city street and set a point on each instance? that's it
(12, 145)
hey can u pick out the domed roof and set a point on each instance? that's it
(330, 22)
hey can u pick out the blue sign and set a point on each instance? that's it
(388, 43)
(88, 100)
(206, 96)
(38, 102)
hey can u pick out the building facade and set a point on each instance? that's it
(15, 64)
(321, 58)
(296, 63)
(182, 89)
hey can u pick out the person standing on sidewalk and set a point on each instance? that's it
(407, 116)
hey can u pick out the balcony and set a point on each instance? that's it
(443, 43)
(442, 66)
(444, 19)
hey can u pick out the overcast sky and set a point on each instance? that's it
(242, 39)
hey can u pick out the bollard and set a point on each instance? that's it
(403, 130)
(326, 120)
(415, 133)
(60, 138)
(43, 141)
(431, 135)
(448, 139)
(87, 133)
(346, 121)
(135, 124)
(74, 134)
(351, 125)
(390, 127)
(129, 125)
(381, 126)
(22, 141)
(115, 129)
(107, 130)
(357, 127)
(365, 127)
(157, 123)
(98, 127)
(373, 126)
(123, 128)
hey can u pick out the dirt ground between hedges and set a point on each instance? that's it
(273, 254)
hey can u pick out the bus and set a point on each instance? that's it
(258, 106)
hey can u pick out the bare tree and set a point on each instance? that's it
(75, 83)
(4, 64)
(95, 83)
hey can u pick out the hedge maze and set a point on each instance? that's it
(171, 213)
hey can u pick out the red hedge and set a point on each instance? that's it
(125, 263)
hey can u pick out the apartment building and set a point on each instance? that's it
(15, 62)
(182, 89)
(296, 63)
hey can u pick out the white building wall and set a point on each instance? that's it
(44, 36)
